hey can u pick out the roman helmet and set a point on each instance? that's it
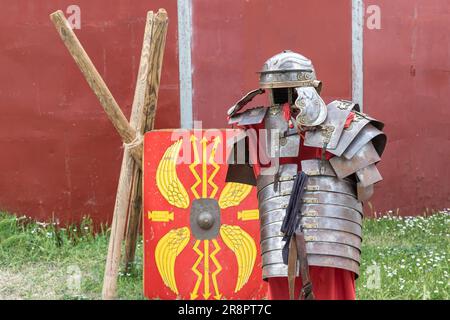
(290, 78)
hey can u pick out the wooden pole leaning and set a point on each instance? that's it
(128, 197)
(151, 84)
(95, 81)
(130, 174)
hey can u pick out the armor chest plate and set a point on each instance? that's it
(331, 218)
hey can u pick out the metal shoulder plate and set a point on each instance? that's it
(363, 165)
(359, 148)
(366, 156)
(281, 141)
(249, 117)
(329, 132)
(244, 101)
(346, 141)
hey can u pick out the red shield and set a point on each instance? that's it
(181, 168)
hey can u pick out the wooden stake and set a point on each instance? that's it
(128, 198)
(130, 175)
(95, 81)
(149, 109)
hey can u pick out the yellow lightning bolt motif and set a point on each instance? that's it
(194, 293)
(218, 295)
(193, 165)
(216, 167)
(204, 169)
(206, 292)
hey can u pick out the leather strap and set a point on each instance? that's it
(295, 246)
(306, 292)
(292, 268)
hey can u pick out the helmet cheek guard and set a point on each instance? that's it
(291, 78)
(312, 109)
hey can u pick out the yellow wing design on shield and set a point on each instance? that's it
(167, 180)
(166, 252)
(244, 248)
(233, 194)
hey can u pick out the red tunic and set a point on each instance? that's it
(328, 283)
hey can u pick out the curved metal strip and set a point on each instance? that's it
(285, 172)
(317, 167)
(280, 269)
(333, 236)
(379, 143)
(334, 262)
(276, 270)
(275, 190)
(367, 134)
(271, 217)
(367, 155)
(244, 101)
(277, 243)
(364, 193)
(331, 129)
(331, 224)
(333, 249)
(274, 204)
(332, 211)
(332, 198)
(315, 183)
(313, 198)
(279, 145)
(322, 210)
(271, 257)
(271, 244)
(376, 123)
(315, 248)
(316, 235)
(349, 134)
(271, 230)
(340, 231)
(368, 176)
(330, 184)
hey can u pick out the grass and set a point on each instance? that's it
(403, 258)
(410, 255)
(42, 261)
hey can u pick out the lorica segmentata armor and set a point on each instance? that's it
(344, 147)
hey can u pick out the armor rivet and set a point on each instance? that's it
(283, 141)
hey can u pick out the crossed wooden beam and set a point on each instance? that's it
(128, 206)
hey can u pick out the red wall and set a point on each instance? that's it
(61, 156)
(232, 40)
(406, 74)
(59, 153)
